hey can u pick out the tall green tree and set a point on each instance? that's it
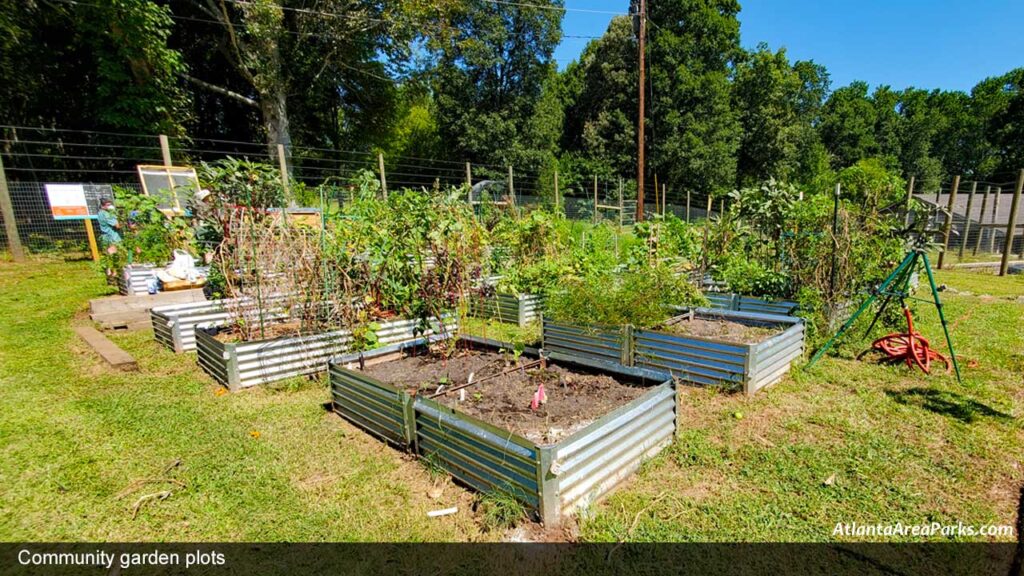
(694, 131)
(778, 105)
(100, 66)
(489, 74)
(600, 119)
(848, 125)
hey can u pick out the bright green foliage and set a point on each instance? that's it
(243, 183)
(148, 235)
(871, 184)
(642, 297)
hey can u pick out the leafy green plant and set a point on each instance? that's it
(500, 510)
(642, 297)
(148, 235)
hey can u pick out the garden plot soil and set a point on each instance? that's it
(725, 330)
(270, 330)
(574, 399)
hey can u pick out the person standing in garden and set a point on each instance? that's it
(109, 226)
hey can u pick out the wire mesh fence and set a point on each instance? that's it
(33, 157)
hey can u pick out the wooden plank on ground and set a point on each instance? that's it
(107, 350)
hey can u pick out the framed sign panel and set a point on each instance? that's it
(172, 186)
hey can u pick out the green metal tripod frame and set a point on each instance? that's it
(899, 279)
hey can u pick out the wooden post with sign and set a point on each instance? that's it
(94, 249)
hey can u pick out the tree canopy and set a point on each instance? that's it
(474, 80)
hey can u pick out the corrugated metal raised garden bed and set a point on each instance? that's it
(240, 365)
(511, 308)
(553, 471)
(135, 279)
(175, 326)
(740, 303)
(757, 359)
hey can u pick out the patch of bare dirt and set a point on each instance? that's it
(506, 390)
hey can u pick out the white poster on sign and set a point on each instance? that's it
(67, 201)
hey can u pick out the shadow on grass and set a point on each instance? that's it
(947, 404)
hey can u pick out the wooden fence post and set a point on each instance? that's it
(469, 183)
(910, 198)
(622, 205)
(967, 222)
(995, 214)
(687, 205)
(981, 219)
(511, 187)
(948, 227)
(595, 198)
(1011, 225)
(10, 224)
(165, 150)
(557, 203)
(282, 165)
(707, 215)
(383, 175)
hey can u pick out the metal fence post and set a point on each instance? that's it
(1011, 225)
(10, 224)
(948, 227)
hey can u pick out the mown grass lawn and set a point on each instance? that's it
(80, 445)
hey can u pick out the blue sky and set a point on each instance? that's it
(948, 44)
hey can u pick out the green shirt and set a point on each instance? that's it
(108, 226)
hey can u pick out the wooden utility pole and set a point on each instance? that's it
(640, 119)
(967, 220)
(949, 220)
(981, 219)
(1011, 225)
(383, 176)
(10, 224)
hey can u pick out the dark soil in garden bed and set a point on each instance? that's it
(574, 398)
(270, 330)
(719, 329)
